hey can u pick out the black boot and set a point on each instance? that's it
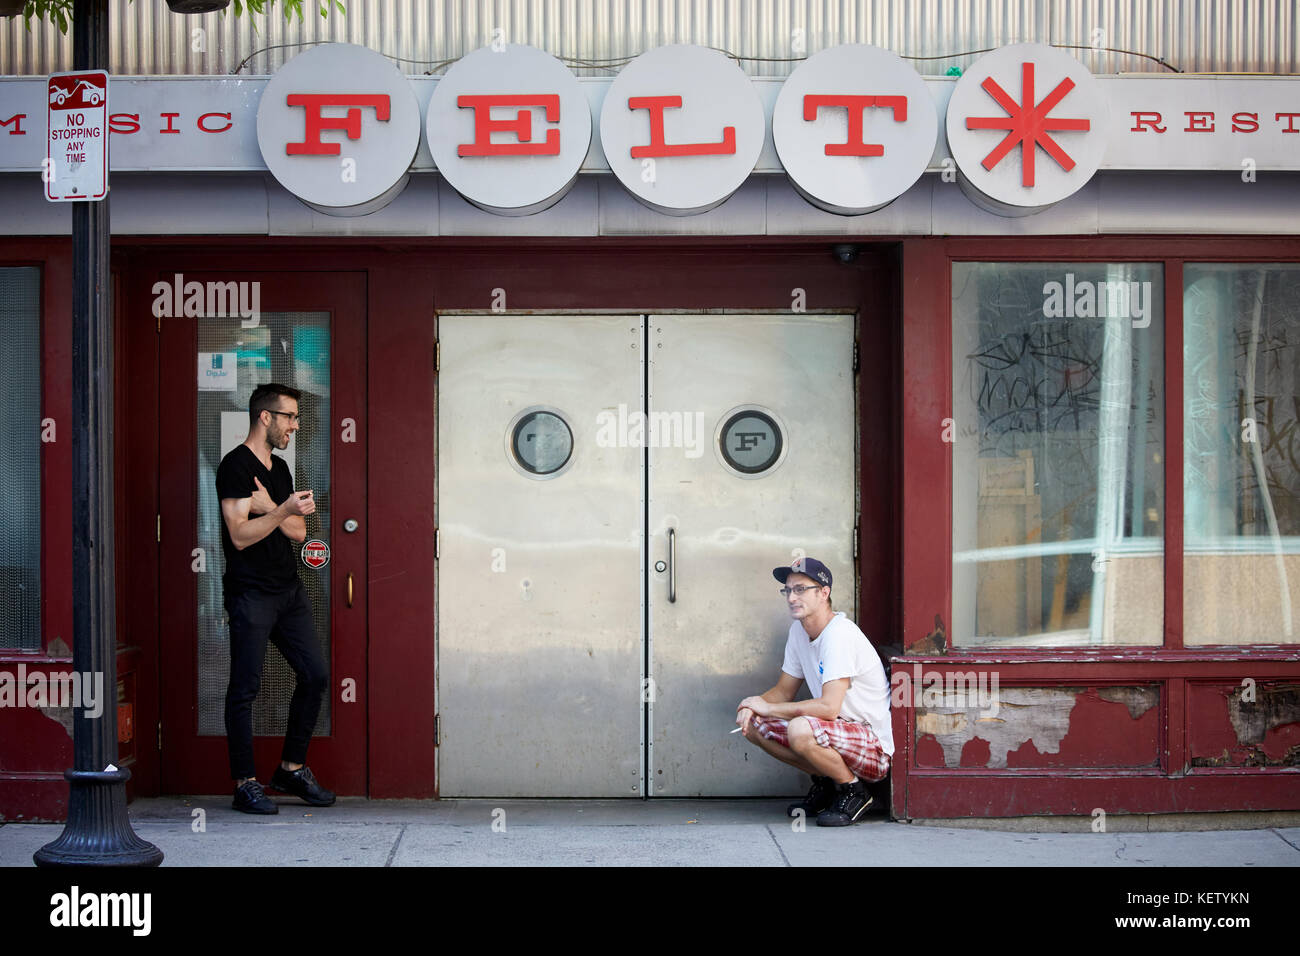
(818, 799)
(848, 806)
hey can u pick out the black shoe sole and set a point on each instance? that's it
(303, 797)
(254, 810)
(857, 817)
(316, 803)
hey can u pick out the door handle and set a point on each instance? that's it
(349, 589)
(672, 566)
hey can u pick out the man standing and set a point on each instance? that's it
(266, 600)
(842, 736)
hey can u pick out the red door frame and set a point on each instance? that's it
(927, 580)
(34, 749)
(198, 764)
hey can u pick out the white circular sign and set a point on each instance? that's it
(855, 127)
(509, 129)
(1027, 128)
(315, 554)
(338, 126)
(682, 128)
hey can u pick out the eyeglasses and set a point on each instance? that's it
(800, 588)
(293, 416)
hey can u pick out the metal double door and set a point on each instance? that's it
(612, 494)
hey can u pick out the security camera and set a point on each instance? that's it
(845, 252)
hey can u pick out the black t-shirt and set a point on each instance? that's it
(268, 565)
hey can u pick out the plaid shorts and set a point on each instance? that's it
(857, 743)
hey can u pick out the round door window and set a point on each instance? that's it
(750, 441)
(541, 442)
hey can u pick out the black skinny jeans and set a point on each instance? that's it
(284, 618)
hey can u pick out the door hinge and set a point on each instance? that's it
(437, 544)
(158, 529)
(437, 355)
(437, 738)
(855, 355)
(855, 540)
(160, 736)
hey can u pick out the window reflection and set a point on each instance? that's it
(1241, 458)
(1057, 475)
(20, 460)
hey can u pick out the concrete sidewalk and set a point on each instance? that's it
(360, 832)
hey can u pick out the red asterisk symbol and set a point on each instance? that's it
(1027, 123)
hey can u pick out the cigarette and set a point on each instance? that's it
(736, 731)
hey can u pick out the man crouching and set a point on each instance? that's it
(842, 737)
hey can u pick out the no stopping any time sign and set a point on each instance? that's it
(76, 159)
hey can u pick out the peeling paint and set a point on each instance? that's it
(1250, 757)
(1138, 700)
(941, 724)
(1274, 707)
(936, 642)
(58, 648)
(1037, 714)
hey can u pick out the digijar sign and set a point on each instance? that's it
(509, 128)
(338, 126)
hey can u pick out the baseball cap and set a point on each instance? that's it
(809, 566)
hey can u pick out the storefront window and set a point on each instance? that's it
(1057, 432)
(20, 461)
(1241, 453)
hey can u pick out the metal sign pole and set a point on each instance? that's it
(97, 832)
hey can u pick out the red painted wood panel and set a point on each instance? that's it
(1100, 732)
(926, 481)
(34, 797)
(34, 741)
(36, 748)
(1226, 728)
(400, 517)
(136, 500)
(1025, 792)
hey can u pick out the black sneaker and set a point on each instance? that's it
(251, 798)
(850, 803)
(301, 784)
(818, 799)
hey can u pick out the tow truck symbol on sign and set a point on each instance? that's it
(91, 95)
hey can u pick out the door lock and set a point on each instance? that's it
(351, 525)
(661, 567)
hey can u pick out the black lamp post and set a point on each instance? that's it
(196, 6)
(98, 832)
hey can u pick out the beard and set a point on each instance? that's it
(277, 438)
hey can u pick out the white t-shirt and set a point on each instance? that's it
(842, 650)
